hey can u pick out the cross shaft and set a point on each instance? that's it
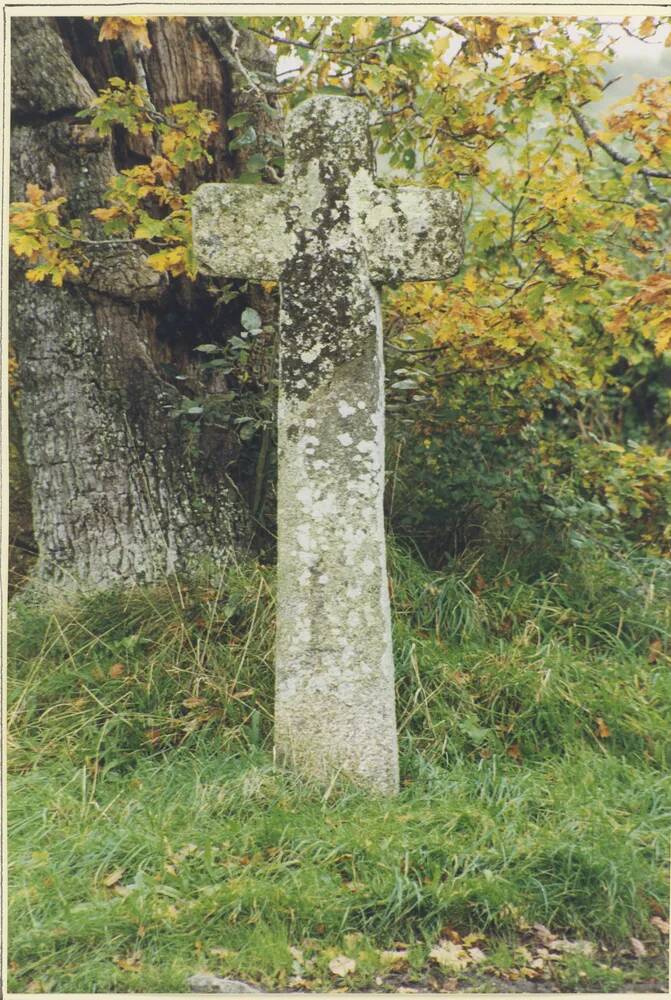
(330, 236)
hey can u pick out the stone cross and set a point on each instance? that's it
(329, 235)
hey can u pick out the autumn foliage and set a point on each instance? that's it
(563, 307)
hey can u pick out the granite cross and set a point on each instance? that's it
(329, 235)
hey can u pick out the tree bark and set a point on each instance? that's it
(122, 491)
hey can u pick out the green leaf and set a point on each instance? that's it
(474, 732)
(409, 158)
(251, 320)
(256, 162)
(208, 348)
(241, 118)
(248, 138)
(247, 431)
(248, 177)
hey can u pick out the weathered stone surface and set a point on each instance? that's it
(240, 231)
(205, 982)
(329, 235)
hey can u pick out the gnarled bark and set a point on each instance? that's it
(122, 491)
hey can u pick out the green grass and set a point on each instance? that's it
(151, 837)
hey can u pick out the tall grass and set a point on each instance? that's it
(535, 734)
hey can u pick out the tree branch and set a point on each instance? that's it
(590, 134)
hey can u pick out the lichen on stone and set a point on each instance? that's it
(331, 235)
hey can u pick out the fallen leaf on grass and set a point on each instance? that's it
(450, 986)
(661, 925)
(116, 670)
(638, 947)
(476, 955)
(450, 956)
(113, 877)
(602, 729)
(472, 939)
(585, 948)
(654, 649)
(341, 965)
(545, 935)
(394, 960)
(193, 702)
(449, 932)
(129, 963)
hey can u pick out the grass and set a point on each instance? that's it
(151, 837)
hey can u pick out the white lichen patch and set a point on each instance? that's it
(344, 409)
(309, 356)
(345, 439)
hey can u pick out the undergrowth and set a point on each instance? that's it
(151, 836)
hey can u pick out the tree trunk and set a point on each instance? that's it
(122, 490)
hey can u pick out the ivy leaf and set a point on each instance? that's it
(409, 158)
(251, 320)
(248, 138)
(236, 120)
(256, 162)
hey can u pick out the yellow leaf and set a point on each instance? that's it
(39, 273)
(113, 877)
(105, 214)
(602, 729)
(134, 28)
(173, 261)
(503, 31)
(34, 194)
(663, 336)
(648, 27)
(24, 245)
(397, 961)
(450, 956)
(129, 963)
(470, 282)
(362, 29)
(440, 46)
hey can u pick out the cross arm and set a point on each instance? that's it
(412, 234)
(239, 230)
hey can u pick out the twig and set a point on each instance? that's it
(279, 40)
(590, 134)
